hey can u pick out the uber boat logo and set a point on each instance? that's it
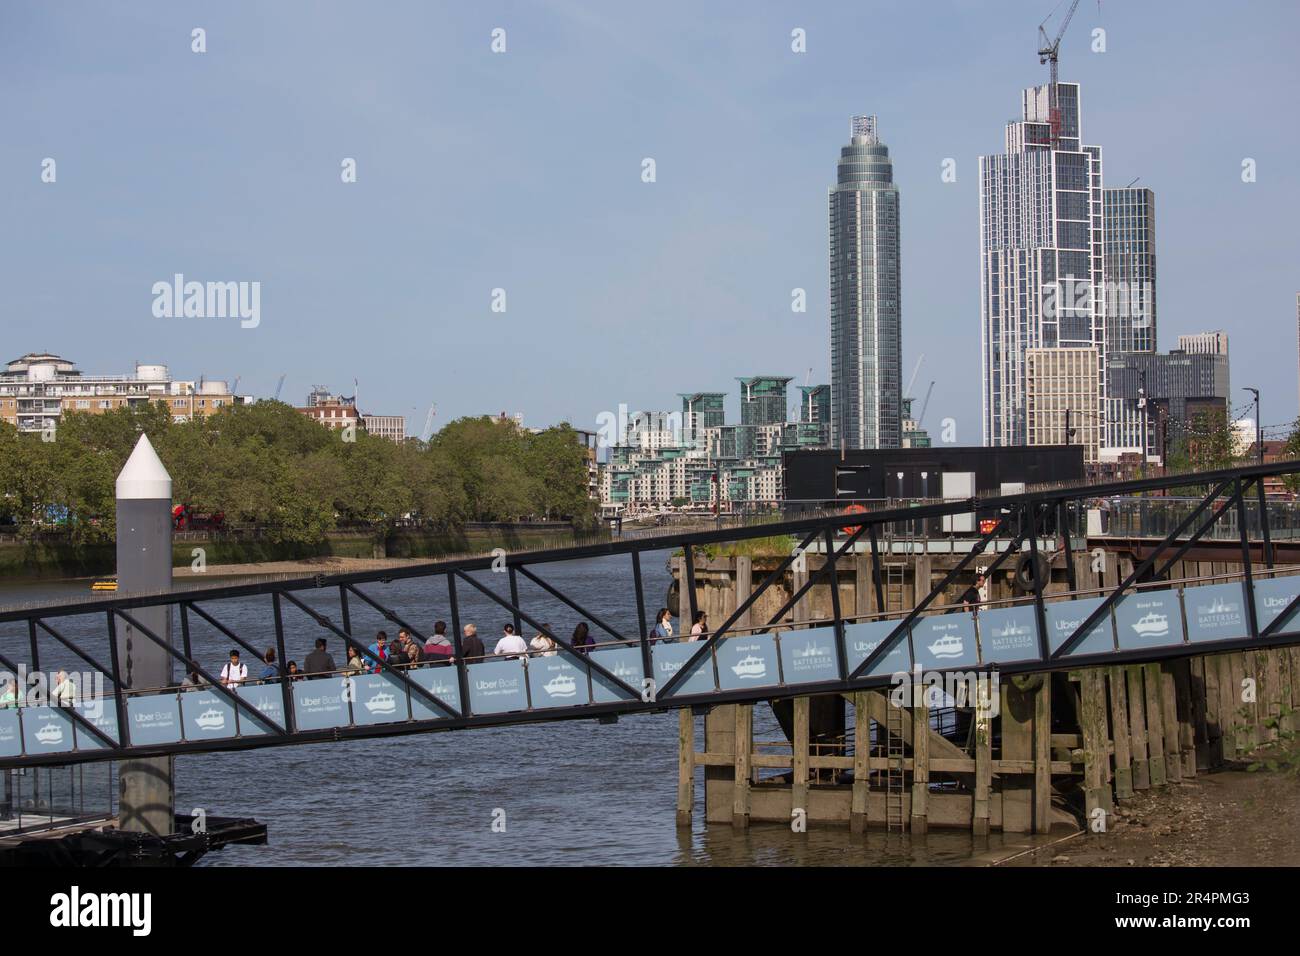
(74, 909)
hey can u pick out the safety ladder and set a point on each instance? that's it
(894, 594)
(894, 717)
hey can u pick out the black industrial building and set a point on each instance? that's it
(823, 477)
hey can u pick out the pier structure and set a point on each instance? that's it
(1092, 664)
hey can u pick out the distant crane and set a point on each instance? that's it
(912, 381)
(1048, 51)
(926, 404)
(428, 422)
(279, 385)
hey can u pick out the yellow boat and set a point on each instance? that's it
(108, 584)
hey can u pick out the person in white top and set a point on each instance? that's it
(700, 627)
(511, 643)
(65, 692)
(544, 644)
(234, 672)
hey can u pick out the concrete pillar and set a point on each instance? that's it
(147, 801)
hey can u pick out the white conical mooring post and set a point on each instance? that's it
(147, 800)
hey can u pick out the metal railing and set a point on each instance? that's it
(634, 672)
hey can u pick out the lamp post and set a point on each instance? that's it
(1259, 429)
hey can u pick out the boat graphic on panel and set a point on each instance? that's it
(561, 685)
(382, 703)
(50, 734)
(949, 645)
(1153, 625)
(750, 667)
(211, 719)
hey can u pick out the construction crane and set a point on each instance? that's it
(428, 422)
(926, 404)
(1048, 51)
(916, 371)
(279, 385)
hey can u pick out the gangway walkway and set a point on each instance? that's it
(1147, 617)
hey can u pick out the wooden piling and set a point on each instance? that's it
(1155, 724)
(685, 766)
(1096, 756)
(861, 763)
(1169, 724)
(799, 765)
(1043, 756)
(1137, 724)
(1182, 674)
(920, 764)
(983, 767)
(1120, 733)
(744, 757)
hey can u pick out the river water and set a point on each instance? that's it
(568, 792)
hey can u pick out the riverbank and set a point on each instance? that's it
(52, 559)
(1230, 818)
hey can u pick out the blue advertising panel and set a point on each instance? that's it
(443, 682)
(1272, 595)
(1009, 634)
(47, 730)
(862, 639)
(1216, 612)
(207, 715)
(11, 733)
(668, 660)
(808, 656)
(321, 703)
(625, 664)
(1065, 617)
(1148, 619)
(153, 719)
(101, 713)
(945, 640)
(748, 661)
(496, 687)
(557, 681)
(267, 700)
(378, 699)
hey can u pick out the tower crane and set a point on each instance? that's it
(926, 404)
(428, 422)
(1047, 53)
(279, 385)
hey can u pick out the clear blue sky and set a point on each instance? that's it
(523, 171)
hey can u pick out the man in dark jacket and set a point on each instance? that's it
(319, 662)
(471, 644)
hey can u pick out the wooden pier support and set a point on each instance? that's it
(1138, 726)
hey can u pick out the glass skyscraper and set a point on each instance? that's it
(1130, 265)
(1041, 256)
(866, 299)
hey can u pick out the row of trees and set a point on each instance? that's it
(266, 465)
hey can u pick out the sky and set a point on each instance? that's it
(522, 171)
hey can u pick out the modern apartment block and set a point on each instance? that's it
(815, 410)
(38, 388)
(696, 459)
(1041, 256)
(701, 410)
(1210, 343)
(1061, 388)
(1163, 394)
(1129, 264)
(866, 295)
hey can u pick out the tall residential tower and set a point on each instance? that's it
(1041, 258)
(866, 299)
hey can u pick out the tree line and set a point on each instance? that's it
(268, 466)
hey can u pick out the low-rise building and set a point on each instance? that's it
(38, 388)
